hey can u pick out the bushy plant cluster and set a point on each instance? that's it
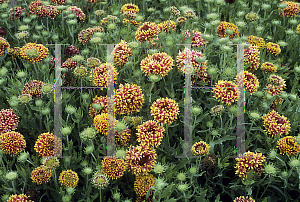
(122, 129)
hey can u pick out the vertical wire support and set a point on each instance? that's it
(240, 129)
(110, 102)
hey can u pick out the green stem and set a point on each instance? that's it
(13, 185)
(100, 195)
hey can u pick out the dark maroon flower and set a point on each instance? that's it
(71, 51)
(2, 32)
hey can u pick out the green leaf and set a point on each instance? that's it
(168, 191)
(170, 200)
(218, 198)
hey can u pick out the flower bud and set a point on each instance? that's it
(154, 78)
(12, 175)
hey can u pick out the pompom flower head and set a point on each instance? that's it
(100, 123)
(128, 98)
(3, 45)
(164, 110)
(250, 81)
(48, 145)
(275, 123)
(268, 67)
(273, 48)
(18, 198)
(251, 56)
(150, 134)
(34, 52)
(130, 8)
(41, 174)
(12, 143)
(221, 30)
(157, 64)
(167, 26)
(257, 41)
(243, 199)
(68, 178)
(200, 148)
(102, 101)
(33, 88)
(8, 120)
(248, 161)
(143, 183)
(113, 167)
(288, 145)
(147, 31)
(121, 53)
(292, 8)
(99, 75)
(140, 159)
(226, 92)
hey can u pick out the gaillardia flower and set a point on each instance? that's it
(3, 45)
(140, 159)
(12, 143)
(167, 26)
(19, 198)
(157, 64)
(41, 174)
(250, 81)
(200, 148)
(251, 56)
(123, 138)
(268, 67)
(34, 52)
(121, 53)
(147, 31)
(221, 29)
(78, 12)
(68, 178)
(101, 101)
(113, 167)
(50, 162)
(273, 48)
(130, 8)
(93, 62)
(164, 110)
(275, 123)
(243, 199)
(48, 145)
(143, 183)
(99, 75)
(226, 92)
(99, 180)
(150, 134)
(8, 120)
(288, 145)
(100, 123)
(39, 9)
(70, 51)
(128, 98)
(248, 161)
(291, 9)
(257, 41)
(198, 68)
(33, 88)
